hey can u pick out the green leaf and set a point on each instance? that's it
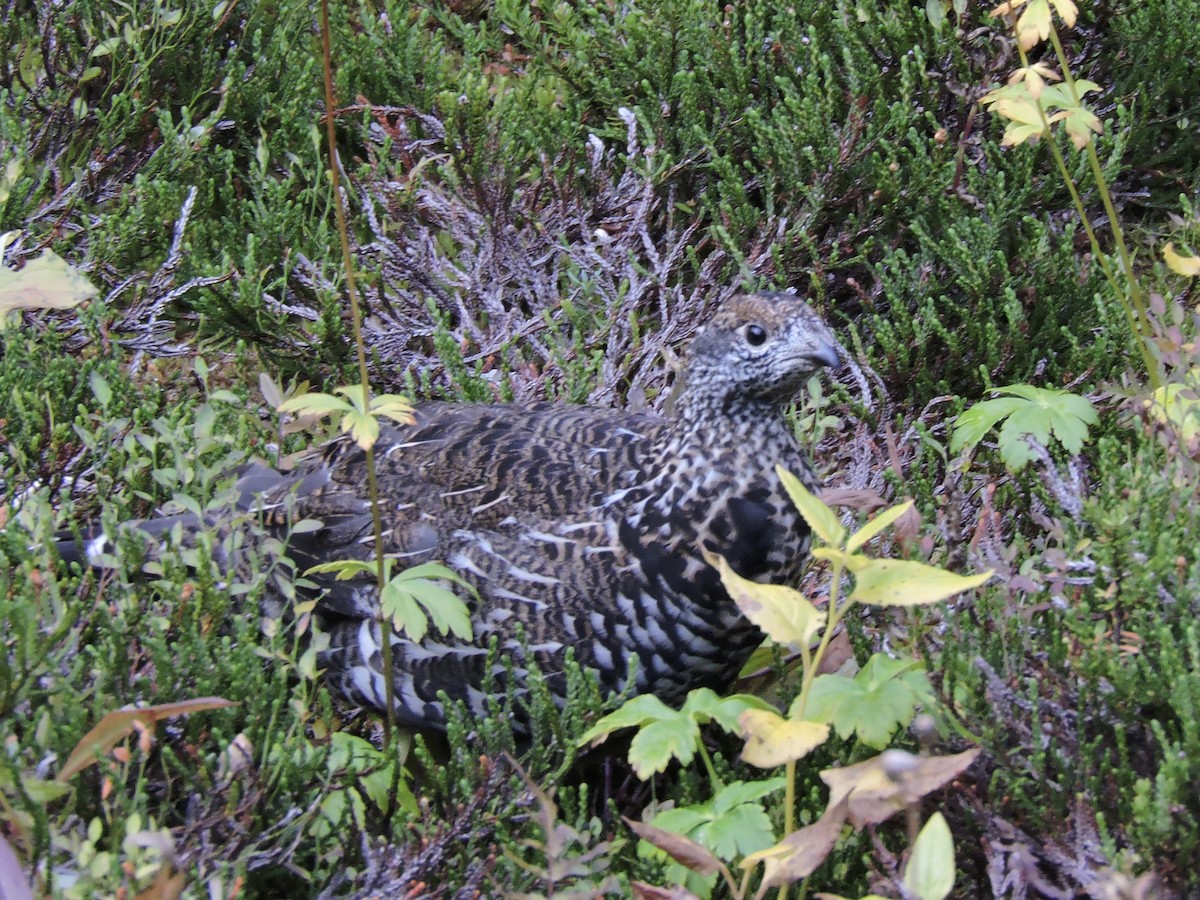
(929, 874)
(656, 744)
(100, 389)
(821, 519)
(881, 698)
(971, 427)
(344, 569)
(1034, 411)
(731, 824)
(633, 713)
(400, 608)
(901, 582)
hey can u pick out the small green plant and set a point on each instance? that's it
(707, 838)
(1032, 106)
(1028, 411)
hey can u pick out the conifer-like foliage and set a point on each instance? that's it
(543, 202)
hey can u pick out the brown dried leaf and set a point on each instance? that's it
(885, 784)
(682, 849)
(798, 855)
(120, 723)
(643, 891)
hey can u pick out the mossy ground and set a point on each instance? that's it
(544, 199)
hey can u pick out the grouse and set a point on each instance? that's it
(578, 528)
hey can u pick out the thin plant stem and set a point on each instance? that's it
(1130, 298)
(389, 721)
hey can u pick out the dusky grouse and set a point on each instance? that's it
(580, 528)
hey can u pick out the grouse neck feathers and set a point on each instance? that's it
(578, 528)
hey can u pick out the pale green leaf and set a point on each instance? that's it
(363, 427)
(314, 404)
(901, 582)
(402, 610)
(877, 525)
(394, 407)
(656, 744)
(929, 874)
(821, 519)
(343, 568)
(633, 713)
(47, 282)
(872, 705)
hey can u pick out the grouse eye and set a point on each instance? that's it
(755, 335)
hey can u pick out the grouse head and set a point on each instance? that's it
(758, 348)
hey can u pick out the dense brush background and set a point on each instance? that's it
(546, 199)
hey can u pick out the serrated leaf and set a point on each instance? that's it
(929, 874)
(772, 740)
(362, 427)
(343, 569)
(877, 525)
(393, 406)
(820, 518)
(402, 610)
(872, 705)
(901, 582)
(783, 613)
(633, 713)
(971, 426)
(656, 744)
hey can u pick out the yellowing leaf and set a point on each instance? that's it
(877, 525)
(1033, 26)
(1005, 8)
(1183, 265)
(361, 426)
(1066, 10)
(821, 519)
(784, 615)
(393, 406)
(47, 282)
(772, 740)
(902, 582)
(1177, 405)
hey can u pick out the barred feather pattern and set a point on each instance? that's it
(583, 528)
(578, 528)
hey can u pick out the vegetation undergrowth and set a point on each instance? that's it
(543, 200)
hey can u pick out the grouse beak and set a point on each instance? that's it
(825, 353)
